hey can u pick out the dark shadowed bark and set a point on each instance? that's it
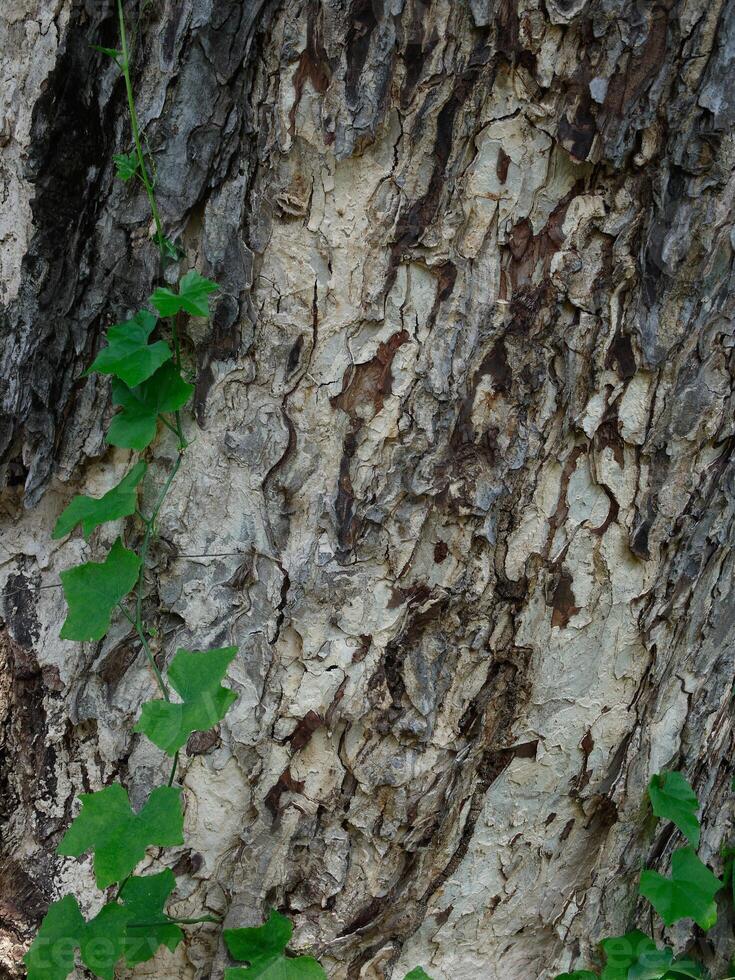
(462, 488)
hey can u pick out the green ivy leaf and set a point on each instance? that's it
(94, 589)
(148, 925)
(577, 975)
(171, 250)
(135, 426)
(688, 894)
(128, 355)
(110, 52)
(263, 948)
(192, 296)
(195, 676)
(672, 798)
(121, 501)
(634, 957)
(418, 973)
(64, 931)
(51, 956)
(119, 837)
(126, 165)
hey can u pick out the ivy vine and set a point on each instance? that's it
(149, 390)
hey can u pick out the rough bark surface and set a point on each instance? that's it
(463, 484)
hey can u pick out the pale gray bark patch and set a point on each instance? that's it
(461, 490)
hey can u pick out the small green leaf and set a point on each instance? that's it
(672, 798)
(418, 973)
(128, 355)
(195, 676)
(94, 589)
(634, 957)
(121, 501)
(135, 426)
(171, 250)
(118, 836)
(688, 894)
(148, 925)
(126, 165)
(110, 52)
(51, 956)
(577, 975)
(192, 296)
(63, 931)
(263, 948)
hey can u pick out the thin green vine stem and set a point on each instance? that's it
(180, 922)
(152, 661)
(145, 177)
(176, 427)
(172, 774)
(126, 614)
(148, 184)
(168, 425)
(177, 362)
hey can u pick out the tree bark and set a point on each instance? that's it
(462, 489)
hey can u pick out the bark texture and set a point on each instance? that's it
(463, 484)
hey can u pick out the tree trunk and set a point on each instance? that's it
(462, 489)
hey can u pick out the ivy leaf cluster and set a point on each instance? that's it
(687, 893)
(147, 386)
(134, 929)
(635, 956)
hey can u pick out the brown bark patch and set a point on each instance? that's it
(305, 728)
(562, 599)
(365, 386)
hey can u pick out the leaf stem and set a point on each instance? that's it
(169, 426)
(177, 362)
(168, 921)
(151, 660)
(138, 622)
(172, 775)
(126, 614)
(145, 177)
